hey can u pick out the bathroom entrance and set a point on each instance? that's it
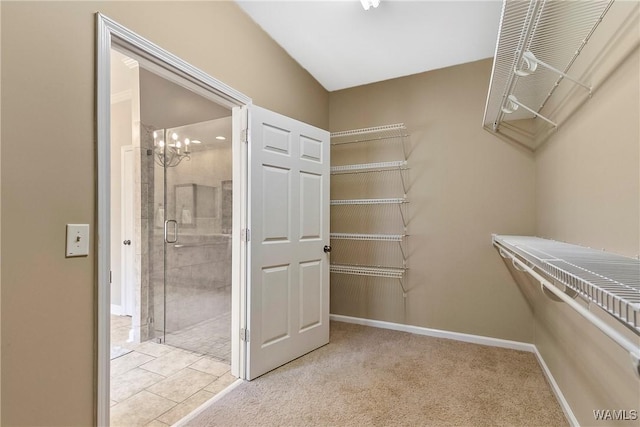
(171, 245)
(280, 238)
(171, 211)
(190, 239)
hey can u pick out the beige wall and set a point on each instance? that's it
(49, 172)
(588, 193)
(465, 185)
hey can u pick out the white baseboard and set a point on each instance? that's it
(568, 413)
(474, 339)
(208, 403)
(116, 309)
(437, 333)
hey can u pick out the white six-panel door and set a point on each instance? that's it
(288, 283)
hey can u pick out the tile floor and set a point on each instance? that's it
(158, 384)
(210, 338)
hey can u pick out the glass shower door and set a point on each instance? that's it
(197, 239)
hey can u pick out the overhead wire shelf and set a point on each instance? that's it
(538, 42)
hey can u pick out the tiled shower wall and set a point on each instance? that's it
(144, 202)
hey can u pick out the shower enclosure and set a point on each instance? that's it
(189, 259)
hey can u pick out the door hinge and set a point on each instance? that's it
(244, 335)
(245, 235)
(244, 135)
(110, 276)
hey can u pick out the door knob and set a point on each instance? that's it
(327, 249)
(127, 242)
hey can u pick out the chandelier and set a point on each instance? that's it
(168, 149)
(366, 4)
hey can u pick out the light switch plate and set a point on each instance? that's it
(77, 240)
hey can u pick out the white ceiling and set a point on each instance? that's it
(342, 45)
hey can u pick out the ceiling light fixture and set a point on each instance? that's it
(171, 154)
(220, 138)
(368, 3)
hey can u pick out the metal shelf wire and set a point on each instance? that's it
(376, 220)
(364, 270)
(377, 175)
(398, 130)
(370, 167)
(538, 42)
(392, 201)
(373, 237)
(608, 280)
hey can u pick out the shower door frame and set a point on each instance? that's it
(109, 35)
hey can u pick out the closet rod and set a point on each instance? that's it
(533, 14)
(611, 333)
(514, 101)
(576, 53)
(530, 58)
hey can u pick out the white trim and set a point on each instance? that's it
(103, 229)
(568, 413)
(207, 404)
(111, 34)
(437, 333)
(172, 65)
(124, 95)
(116, 310)
(475, 339)
(239, 247)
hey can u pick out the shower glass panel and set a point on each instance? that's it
(193, 308)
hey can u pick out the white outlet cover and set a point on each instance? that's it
(77, 240)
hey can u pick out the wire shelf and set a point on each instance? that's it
(369, 232)
(369, 134)
(363, 270)
(608, 280)
(554, 33)
(370, 167)
(373, 237)
(393, 201)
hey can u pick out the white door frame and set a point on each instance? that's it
(111, 34)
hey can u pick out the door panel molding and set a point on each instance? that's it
(288, 301)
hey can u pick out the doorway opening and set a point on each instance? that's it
(279, 227)
(171, 189)
(171, 225)
(171, 208)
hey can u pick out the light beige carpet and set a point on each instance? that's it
(369, 376)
